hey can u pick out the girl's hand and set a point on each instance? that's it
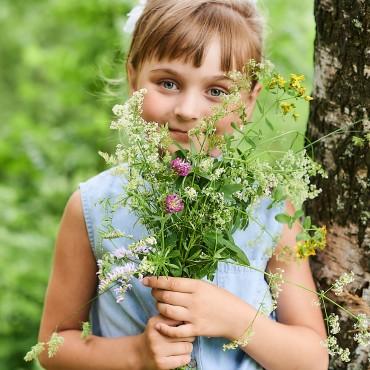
(162, 352)
(205, 309)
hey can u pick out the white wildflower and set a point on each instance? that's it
(119, 110)
(242, 341)
(344, 355)
(54, 343)
(151, 240)
(206, 165)
(333, 322)
(191, 193)
(146, 267)
(334, 349)
(219, 172)
(35, 352)
(275, 282)
(361, 325)
(344, 280)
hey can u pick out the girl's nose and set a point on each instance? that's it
(188, 107)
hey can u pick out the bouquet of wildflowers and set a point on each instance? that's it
(191, 202)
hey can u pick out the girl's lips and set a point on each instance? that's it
(180, 135)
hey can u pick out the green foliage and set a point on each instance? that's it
(55, 115)
(290, 41)
(55, 112)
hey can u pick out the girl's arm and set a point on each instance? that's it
(290, 344)
(73, 283)
(294, 341)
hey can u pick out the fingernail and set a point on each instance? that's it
(145, 281)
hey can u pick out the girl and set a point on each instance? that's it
(180, 52)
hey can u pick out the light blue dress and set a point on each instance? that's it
(110, 319)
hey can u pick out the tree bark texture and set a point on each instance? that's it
(342, 100)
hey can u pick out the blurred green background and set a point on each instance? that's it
(55, 110)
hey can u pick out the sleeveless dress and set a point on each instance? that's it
(112, 319)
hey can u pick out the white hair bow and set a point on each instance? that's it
(134, 16)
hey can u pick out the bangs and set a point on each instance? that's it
(186, 35)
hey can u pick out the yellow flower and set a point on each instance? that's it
(308, 247)
(301, 91)
(297, 78)
(277, 80)
(272, 84)
(308, 98)
(305, 249)
(280, 81)
(295, 81)
(286, 107)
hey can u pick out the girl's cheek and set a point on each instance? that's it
(224, 126)
(153, 108)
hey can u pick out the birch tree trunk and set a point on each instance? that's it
(342, 100)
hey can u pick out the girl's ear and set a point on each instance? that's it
(252, 98)
(132, 78)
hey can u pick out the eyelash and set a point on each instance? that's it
(222, 91)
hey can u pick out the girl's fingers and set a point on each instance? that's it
(175, 340)
(168, 321)
(173, 312)
(173, 298)
(182, 331)
(183, 285)
(177, 349)
(173, 362)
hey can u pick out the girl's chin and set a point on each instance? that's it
(173, 148)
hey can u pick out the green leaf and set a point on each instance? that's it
(283, 218)
(269, 124)
(239, 256)
(176, 272)
(278, 195)
(230, 189)
(237, 222)
(237, 253)
(236, 127)
(218, 254)
(302, 236)
(171, 239)
(307, 222)
(210, 239)
(179, 154)
(260, 108)
(250, 141)
(195, 255)
(298, 214)
(174, 253)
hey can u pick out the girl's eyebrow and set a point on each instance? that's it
(176, 74)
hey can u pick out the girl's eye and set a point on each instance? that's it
(217, 92)
(169, 85)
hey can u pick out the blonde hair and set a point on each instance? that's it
(182, 29)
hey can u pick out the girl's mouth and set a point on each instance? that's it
(180, 135)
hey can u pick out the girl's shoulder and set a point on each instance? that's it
(104, 185)
(102, 198)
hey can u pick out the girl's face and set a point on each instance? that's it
(180, 94)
